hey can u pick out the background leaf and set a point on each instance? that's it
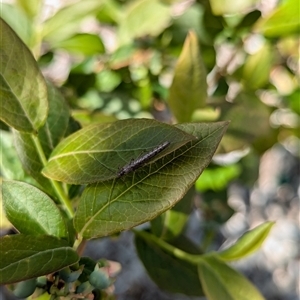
(143, 17)
(84, 43)
(257, 68)
(67, 20)
(220, 281)
(222, 7)
(188, 89)
(32, 256)
(30, 210)
(96, 152)
(15, 17)
(31, 7)
(116, 205)
(167, 271)
(282, 21)
(23, 90)
(247, 243)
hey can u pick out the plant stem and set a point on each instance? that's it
(190, 258)
(63, 199)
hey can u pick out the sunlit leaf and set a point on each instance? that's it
(217, 179)
(66, 22)
(248, 243)
(284, 20)
(122, 203)
(18, 21)
(84, 43)
(143, 17)
(257, 67)
(31, 7)
(97, 152)
(219, 281)
(23, 90)
(188, 89)
(10, 167)
(222, 7)
(27, 256)
(30, 210)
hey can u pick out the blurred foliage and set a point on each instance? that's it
(175, 61)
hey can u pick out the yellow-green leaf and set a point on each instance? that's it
(188, 89)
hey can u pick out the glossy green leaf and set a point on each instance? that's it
(84, 43)
(66, 22)
(119, 204)
(143, 17)
(188, 89)
(284, 20)
(23, 90)
(96, 152)
(219, 281)
(27, 256)
(223, 7)
(248, 243)
(167, 271)
(257, 68)
(30, 210)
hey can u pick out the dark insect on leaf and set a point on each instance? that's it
(140, 161)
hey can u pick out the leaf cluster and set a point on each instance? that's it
(61, 182)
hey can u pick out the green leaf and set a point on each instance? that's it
(249, 120)
(84, 43)
(49, 135)
(25, 256)
(96, 152)
(167, 271)
(284, 20)
(23, 90)
(10, 167)
(217, 179)
(223, 7)
(18, 21)
(188, 89)
(57, 121)
(248, 243)
(143, 17)
(170, 224)
(30, 159)
(257, 68)
(219, 281)
(66, 21)
(31, 7)
(140, 196)
(30, 210)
